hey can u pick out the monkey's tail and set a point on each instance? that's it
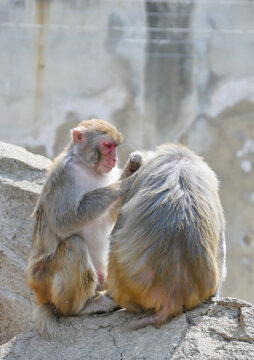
(156, 320)
(46, 321)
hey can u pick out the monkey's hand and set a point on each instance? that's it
(135, 161)
(133, 164)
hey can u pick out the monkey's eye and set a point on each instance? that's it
(109, 146)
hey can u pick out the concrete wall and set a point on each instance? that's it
(159, 70)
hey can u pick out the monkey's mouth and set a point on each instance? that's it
(106, 169)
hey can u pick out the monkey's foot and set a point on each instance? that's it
(99, 304)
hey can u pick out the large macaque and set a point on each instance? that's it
(73, 220)
(167, 252)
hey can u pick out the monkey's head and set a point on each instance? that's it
(95, 143)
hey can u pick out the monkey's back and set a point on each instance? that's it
(165, 245)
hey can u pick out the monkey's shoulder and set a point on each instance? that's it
(174, 163)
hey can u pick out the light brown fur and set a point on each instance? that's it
(72, 222)
(167, 252)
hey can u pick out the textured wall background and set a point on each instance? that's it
(159, 70)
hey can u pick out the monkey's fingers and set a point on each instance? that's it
(133, 164)
(135, 161)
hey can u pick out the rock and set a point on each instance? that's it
(222, 328)
(217, 330)
(220, 333)
(21, 178)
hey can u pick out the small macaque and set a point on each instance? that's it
(74, 216)
(167, 252)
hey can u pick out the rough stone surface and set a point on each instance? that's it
(220, 329)
(21, 177)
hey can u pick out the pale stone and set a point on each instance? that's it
(159, 71)
(217, 333)
(21, 177)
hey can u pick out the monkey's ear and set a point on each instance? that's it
(78, 136)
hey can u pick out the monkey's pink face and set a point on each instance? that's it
(109, 158)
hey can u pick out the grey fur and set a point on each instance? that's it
(64, 205)
(45, 321)
(174, 196)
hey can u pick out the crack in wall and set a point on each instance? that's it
(42, 19)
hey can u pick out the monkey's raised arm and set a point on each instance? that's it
(91, 205)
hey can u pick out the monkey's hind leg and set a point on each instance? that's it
(101, 303)
(75, 281)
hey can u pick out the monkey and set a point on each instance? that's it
(73, 219)
(167, 249)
